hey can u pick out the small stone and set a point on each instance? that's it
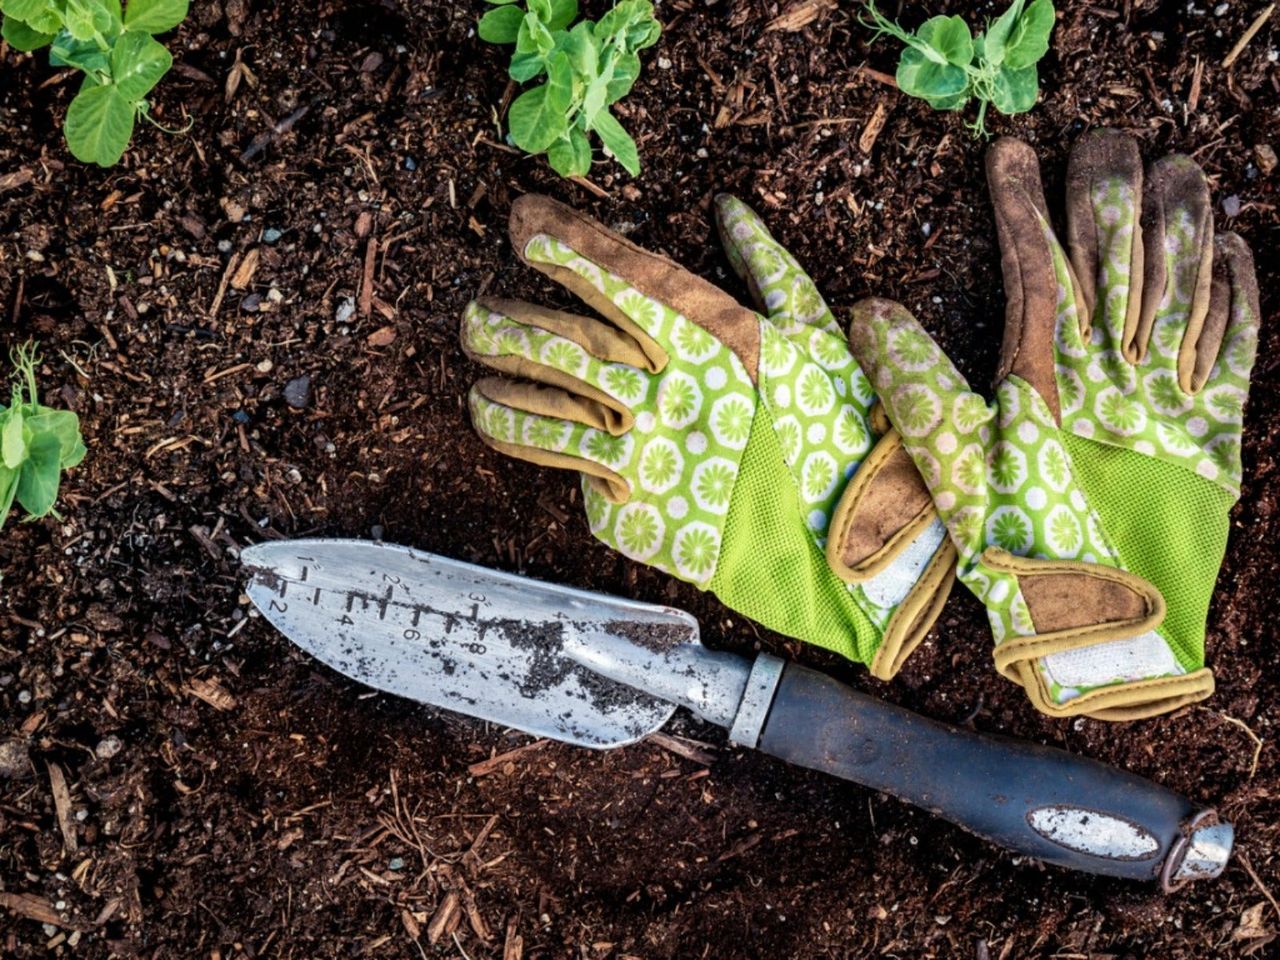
(664, 63)
(346, 310)
(275, 296)
(410, 163)
(24, 696)
(251, 303)
(15, 762)
(1266, 157)
(241, 417)
(271, 235)
(1231, 205)
(297, 392)
(1221, 9)
(396, 863)
(266, 366)
(108, 747)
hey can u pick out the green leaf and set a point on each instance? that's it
(137, 63)
(28, 11)
(955, 101)
(1029, 40)
(644, 35)
(537, 117)
(540, 9)
(534, 37)
(154, 16)
(1015, 91)
(99, 124)
(582, 49)
(998, 33)
(632, 20)
(563, 13)
(22, 37)
(625, 73)
(950, 38)
(526, 66)
(81, 19)
(13, 442)
(617, 141)
(8, 490)
(570, 156)
(501, 3)
(85, 55)
(65, 426)
(593, 100)
(38, 479)
(919, 76)
(500, 25)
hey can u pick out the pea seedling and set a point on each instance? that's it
(588, 67)
(946, 66)
(116, 50)
(36, 444)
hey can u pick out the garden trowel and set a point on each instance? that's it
(600, 671)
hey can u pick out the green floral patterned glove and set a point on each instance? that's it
(1078, 536)
(714, 444)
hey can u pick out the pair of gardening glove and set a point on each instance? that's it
(741, 451)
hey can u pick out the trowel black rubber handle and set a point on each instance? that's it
(1032, 799)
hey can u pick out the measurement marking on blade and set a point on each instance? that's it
(390, 608)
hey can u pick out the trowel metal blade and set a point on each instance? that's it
(462, 637)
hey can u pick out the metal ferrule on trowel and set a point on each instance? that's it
(601, 672)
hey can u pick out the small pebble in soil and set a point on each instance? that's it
(265, 366)
(24, 696)
(396, 863)
(1221, 9)
(251, 303)
(346, 310)
(14, 760)
(297, 392)
(1266, 157)
(1231, 205)
(271, 235)
(410, 163)
(241, 417)
(108, 747)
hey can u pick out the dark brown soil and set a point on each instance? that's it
(228, 797)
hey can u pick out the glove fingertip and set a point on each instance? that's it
(735, 222)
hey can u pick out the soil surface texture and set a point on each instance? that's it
(256, 320)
